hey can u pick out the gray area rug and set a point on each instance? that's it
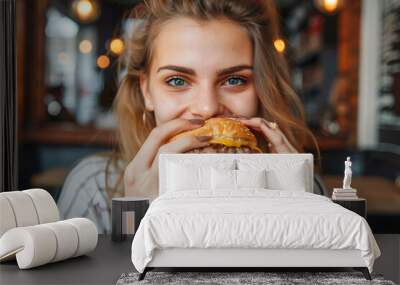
(225, 278)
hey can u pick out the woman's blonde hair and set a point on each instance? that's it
(278, 101)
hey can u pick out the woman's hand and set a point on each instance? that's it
(141, 174)
(278, 143)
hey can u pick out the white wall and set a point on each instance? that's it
(371, 31)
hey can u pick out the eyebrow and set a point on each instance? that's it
(221, 72)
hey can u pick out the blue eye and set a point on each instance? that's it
(235, 81)
(176, 81)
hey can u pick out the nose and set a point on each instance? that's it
(206, 103)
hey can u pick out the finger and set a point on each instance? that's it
(275, 128)
(236, 117)
(145, 156)
(183, 144)
(292, 149)
(279, 142)
(263, 125)
(160, 134)
(254, 123)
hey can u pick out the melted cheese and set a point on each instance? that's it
(233, 143)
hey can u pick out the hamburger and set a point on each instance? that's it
(228, 136)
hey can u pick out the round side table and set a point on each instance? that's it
(122, 211)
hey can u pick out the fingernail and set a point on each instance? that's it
(238, 116)
(203, 138)
(196, 121)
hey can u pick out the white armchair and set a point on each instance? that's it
(31, 233)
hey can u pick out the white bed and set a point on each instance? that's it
(281, 225)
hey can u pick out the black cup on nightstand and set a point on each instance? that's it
(126, 214)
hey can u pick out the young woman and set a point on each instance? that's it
(190, 60)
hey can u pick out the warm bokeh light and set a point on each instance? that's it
(85, 46)
(117, 46)
(279, 45)
(103, 61)
(329, 6)
(85, 10)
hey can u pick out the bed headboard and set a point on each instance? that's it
(264, 159)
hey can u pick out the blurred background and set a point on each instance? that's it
(344, 57)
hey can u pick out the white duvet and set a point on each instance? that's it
(253, 218)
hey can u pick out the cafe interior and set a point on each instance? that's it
(344, 59)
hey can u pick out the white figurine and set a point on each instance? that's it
(347, 174)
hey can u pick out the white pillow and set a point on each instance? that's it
(251, 178)
(293, 180)
(281, 174)
(181, 177)
(223, 179)
(184, 175)
(235, 179)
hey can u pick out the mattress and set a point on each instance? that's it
(250, 218)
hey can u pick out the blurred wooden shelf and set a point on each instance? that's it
(330, 143)
(49, 179)
(67, 134)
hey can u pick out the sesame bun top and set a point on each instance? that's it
(225, 131)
